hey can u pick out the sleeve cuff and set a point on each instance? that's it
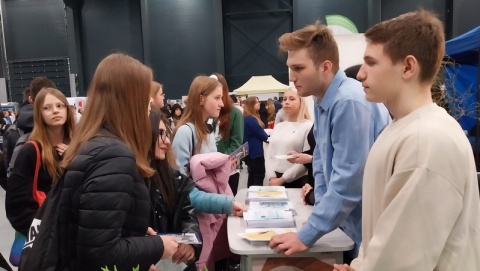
(308, 235)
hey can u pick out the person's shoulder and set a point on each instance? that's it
(28, 148)
(105, 147)
(351, 89)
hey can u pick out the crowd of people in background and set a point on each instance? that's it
(105, 191)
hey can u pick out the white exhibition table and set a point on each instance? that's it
(329, 246)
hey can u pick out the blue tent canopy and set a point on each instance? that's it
(461, 79)
(464, 48)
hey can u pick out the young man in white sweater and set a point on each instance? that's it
(421, 208)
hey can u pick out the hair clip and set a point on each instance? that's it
(214, 77)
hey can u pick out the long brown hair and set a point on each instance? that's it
(249, 109)
(118, 102)
(163, 177)
(224, 117)
(50, 157)
(201, 86)
(155, 87)
(271, 110)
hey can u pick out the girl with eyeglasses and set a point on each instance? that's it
(171, 210)
(53, 130)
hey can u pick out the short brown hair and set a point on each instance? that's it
(319, 41)
(26, 93)
(38, 83)
(419, 34)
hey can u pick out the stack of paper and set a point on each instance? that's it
(269, 218)
(267, 193)
(264, 235)
(279, 205)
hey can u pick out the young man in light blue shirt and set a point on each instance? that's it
(345, 127)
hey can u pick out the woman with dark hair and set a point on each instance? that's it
(176, 115)
(105, 205)
(229, 130)
(171, 210)
(263, 113)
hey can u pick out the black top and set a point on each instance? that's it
(105, 209)
(311, 180)
(19, 203)
(183, 219)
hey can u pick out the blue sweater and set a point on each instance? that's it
(254, 134)
(182, 147)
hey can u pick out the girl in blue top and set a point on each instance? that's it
(194, 135)
(254, 134)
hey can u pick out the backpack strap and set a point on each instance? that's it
(193, 139)
(39, 196)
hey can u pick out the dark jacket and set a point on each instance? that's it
(183, 220)
(25, 118)
(20, 205)
(105, 210)
(254, 134)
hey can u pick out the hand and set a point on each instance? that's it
(184, 254)
(170, 246)
(299, 158)
(342, 267)
(150, 231)
(288, 243)
(276, 181)
(152, 268)
(61, 148)
(233, 163)
(305, 189)
(238, 209)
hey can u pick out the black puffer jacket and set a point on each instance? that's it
(105, 210)
(183, 220)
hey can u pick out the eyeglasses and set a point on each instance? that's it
(58, 106)
(163, 135)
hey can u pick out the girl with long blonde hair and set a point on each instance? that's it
(52, 132)
(287, 136)
(194, 135)
(255, 136)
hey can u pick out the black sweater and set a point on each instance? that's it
(19, 203)
(105, 210)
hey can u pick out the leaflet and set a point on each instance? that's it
(188, 238)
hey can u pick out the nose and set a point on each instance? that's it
(361, 75)
(221, 103)
(167, 141)
(291, 77)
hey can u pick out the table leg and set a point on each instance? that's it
(338, 257)
(246, 263)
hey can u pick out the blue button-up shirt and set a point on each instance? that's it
(346, 125)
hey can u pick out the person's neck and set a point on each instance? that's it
(410, 99)
(292, 117)
(55, 135)
(323, 87)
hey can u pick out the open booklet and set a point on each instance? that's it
(241, 152)
(188, 238)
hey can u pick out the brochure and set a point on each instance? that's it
(189, 238)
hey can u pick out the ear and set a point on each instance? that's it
(411, 67)
(202, 99)
(30, 100)
(326, 66)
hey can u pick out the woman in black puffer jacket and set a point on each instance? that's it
(105, 206)
(171, 210)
